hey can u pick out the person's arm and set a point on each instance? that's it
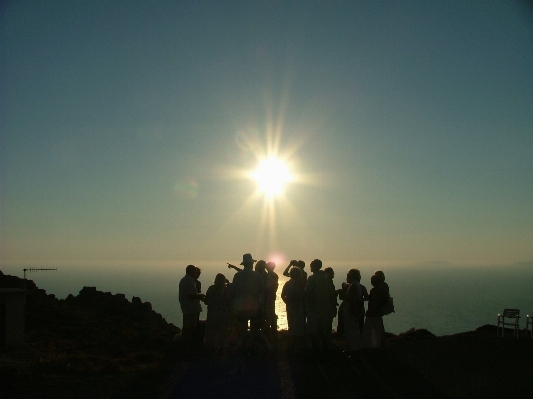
(305, 278)
(198, 286)
(188, 290)
(365, 293)
(208, 295)
(333, 298)
(309, 292)
(230, 266)
(373, 306)
(342, 291)
(284, 293)
(286, 271)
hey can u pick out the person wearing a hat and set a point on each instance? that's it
(246, 291)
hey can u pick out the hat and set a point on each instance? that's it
(246, 259)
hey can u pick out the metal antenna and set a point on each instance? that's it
(34, 269)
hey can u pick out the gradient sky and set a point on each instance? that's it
(127, 128)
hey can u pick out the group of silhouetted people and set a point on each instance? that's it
(248, 303)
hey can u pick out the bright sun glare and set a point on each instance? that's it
(271, 176)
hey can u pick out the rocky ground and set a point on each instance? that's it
(102, 345)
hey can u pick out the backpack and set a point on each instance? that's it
(388, 308)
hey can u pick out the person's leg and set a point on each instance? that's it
(313, 329)
(379, 332)
(328, 334)
(273, 323)
(340, 319)
(351, 331)
(257, 325)
(240, 330)
(270, 323)
(190, 322)
(367, 341)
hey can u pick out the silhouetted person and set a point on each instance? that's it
(218, 301)
(381, 278)
(303, 279)
(198, 287)
(342, 296)
(271, 318)
(247, 290)
(320, 294)
(198, 282)
(386, 292)
(365, 299)
(190, 302)
(353, 311)
(293, 295)
(260, 320)
(373, 328)
(301, 265)
(330, 273)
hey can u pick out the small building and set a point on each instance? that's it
(12, 317)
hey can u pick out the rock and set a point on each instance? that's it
(414, 334)
(87, 293)
(94, 330)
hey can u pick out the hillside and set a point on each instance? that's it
(98, 344)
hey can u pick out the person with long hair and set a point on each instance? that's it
(373, 328)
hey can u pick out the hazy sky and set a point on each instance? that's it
(128, 129)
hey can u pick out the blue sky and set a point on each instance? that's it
(127, 128)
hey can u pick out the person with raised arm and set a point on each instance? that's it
(301, 265)
(286, 272)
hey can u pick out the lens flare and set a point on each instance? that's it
(186, 189)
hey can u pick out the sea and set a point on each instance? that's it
(441, 297)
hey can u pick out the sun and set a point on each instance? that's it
(271, 176)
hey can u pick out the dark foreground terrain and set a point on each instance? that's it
(100, 345)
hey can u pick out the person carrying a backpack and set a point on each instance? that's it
(373, 331)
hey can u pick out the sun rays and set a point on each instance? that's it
(272, 173)
(271, 176)
(270, 168)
